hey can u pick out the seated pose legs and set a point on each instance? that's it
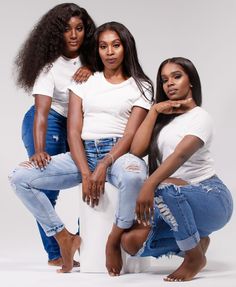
(182, 201)
(104, 114)
(56, 50)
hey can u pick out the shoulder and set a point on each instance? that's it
(81, 88)
(201, 115)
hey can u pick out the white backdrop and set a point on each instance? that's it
(203, 31)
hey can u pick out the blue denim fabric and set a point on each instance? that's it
(184, 214)
(62, 173)
(56, 143)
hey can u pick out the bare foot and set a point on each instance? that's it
(204, 242)
(113, 251)
(194, 261)
(59, 262)
(68, 245)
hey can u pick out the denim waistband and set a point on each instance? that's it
(111, 140)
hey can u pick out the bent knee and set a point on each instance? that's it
(19, 175)
(130, 167)
(128, 243)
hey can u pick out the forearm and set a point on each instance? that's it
(78, 153)
(166, 169)
(143, 135)
(40, 128)
(183, 151)
(120, 148)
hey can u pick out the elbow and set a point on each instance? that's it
(137, 151)
(134, 150)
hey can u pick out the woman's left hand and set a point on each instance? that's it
(82, 74)
(97, 183)
(144, 204)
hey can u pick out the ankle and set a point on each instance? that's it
(62, 235)
(195, 254)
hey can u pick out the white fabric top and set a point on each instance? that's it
(107, 106)
(195, 122)
(54, 83)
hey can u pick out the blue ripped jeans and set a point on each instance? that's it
(184, 214)
(62, 173)
(56, 143)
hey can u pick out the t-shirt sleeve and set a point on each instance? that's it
(44, 84)
(77, 89)
(201, 126)
(144, 102)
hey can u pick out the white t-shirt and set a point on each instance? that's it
(195, 122)
(107, 106)
(54, 83)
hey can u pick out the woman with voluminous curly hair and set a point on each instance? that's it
(57, 51)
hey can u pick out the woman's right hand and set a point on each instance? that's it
(82, 74)
(40, 159)
(173, 107)
(86, 182)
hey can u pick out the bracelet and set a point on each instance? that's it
(111, 156)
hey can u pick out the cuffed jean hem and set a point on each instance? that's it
(123, 224)
(160, 251)
(189, 243)
(54, 257)
(55, 230)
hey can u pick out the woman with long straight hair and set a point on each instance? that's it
(104, 114)
(183, 200)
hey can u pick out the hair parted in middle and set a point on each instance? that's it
(131, 65)
(46, 43)
(163, 119)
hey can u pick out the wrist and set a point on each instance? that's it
(85, 174)
(151, 184)
(154, 111)
(104, 163)
(108, 159)
(39, 152)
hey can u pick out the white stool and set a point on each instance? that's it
(95, 226)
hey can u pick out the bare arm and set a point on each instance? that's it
(121, 147)
(183, 151)
(143, 135)
(74, 129)
(42, 108)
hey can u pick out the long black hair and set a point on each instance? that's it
(163, 120)
(45, 43)
(131, 65)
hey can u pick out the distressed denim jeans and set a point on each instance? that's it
(56, 143)
(185, 214)
(62, 173)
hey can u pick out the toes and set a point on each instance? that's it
(113, 272)
(173, 279)
(64, 269)
(169, 279)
